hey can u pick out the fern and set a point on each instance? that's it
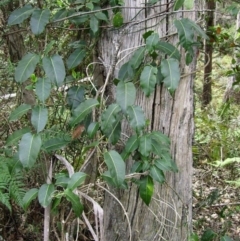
(11, 183)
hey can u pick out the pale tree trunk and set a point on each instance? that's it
(169, 215)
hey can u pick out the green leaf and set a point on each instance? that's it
(76, 180)
(20, 14)
(116, 167)
(28, 197)
(152, 41)
(45, 194)
(19, 112)
(43, 88)
(54, 69)
(92, 129)
(101, 16)
(62, 181)
(108, 178)
(208, 235)
(137, 167)
(178, 4)
(126, 94)
(75, 95)
(137, 58)
(168, 49)
(55, 144)
(39, 118)
(82, 111)
(29, 148)
(39, 20)
(16, 135)
(126, 72)
(160, 138)
(94, 24)
(136, 117)
(109, 117)
(226, 238)
(130, 146)
(157, 174)
(90, 5)
(76, 58)
(146, 189)
(188, 4)
(75, 201)
(26, 67)
(62, 13)
(117, 20)
(200, 32)
(148, 79)
(4, 199)
(194, 237)
(145, 145)
(114, 133)
(171, 73)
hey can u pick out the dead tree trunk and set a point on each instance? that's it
(207, 80)
(169, 215)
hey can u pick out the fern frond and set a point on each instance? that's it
(4, 199)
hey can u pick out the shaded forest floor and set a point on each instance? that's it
(216, 204)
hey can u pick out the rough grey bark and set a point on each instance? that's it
(169, 215)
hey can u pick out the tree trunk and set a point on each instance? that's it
(169, 215)
(207, 81)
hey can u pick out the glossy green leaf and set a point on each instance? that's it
(26, 67)
(196, 27)
(62, 181)
(43, 88)
(168, 49)
(101, 16)
(136, 167)
(29, 148)
(152, 41)
(160, 138)
(117, 20)
(145, 145)
(178, 4)
(94, 24)
(39, 20)
(116, 167)
(75, 95)
(136, 117)
(208, 235)
(126, 72)
(108, 178)
(19, 112)
(148, 79)
(125, 94)
(45, 194)
(90, 5)
(157, 174)
(82, 111)
(39, 118)
(16, 136)
(146, 189)
(130, 146)
(76, 180)
(171, 73)
(185, 33)
(54, 69)
(92, 129)
(109, 117)
(61, 13)
(137, 57)
(75, 201)
(114, 133)
(28, 197)
(20, 14)
(76, 58)
(55, 144)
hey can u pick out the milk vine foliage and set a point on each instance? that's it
(155, 63)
